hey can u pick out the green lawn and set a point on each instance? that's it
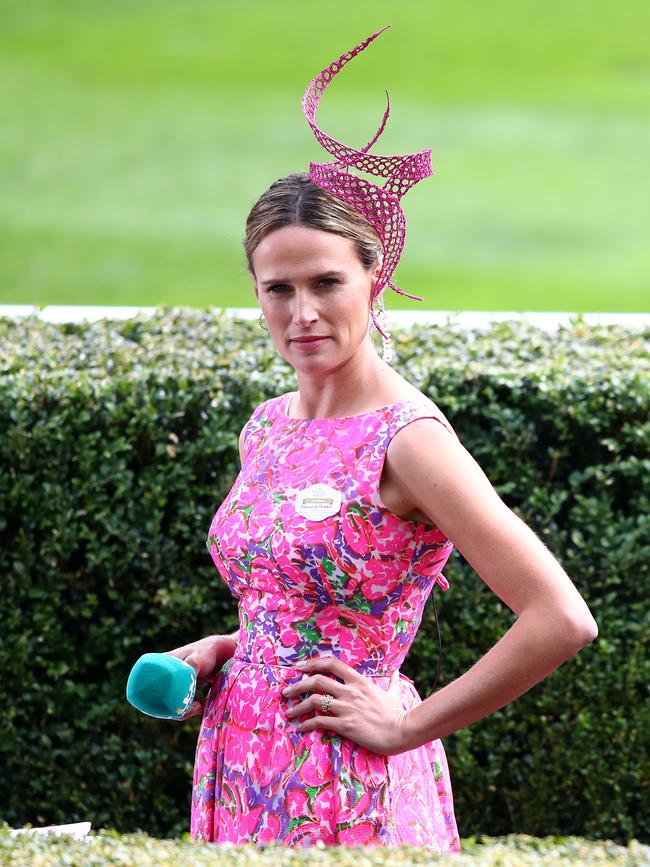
(135, 136)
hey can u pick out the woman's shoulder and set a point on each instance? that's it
(415, 405)
(264, 412)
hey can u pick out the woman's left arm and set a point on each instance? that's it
(435, 472)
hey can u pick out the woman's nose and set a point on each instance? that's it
(304, 310)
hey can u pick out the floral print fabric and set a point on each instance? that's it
(353, 585)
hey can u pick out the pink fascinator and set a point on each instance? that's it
(379, 205)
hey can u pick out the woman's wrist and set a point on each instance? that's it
(227, 644)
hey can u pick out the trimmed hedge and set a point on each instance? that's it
(118, 441)
(105, 848)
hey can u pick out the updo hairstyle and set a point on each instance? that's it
(296, 201)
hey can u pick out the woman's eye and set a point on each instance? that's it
(280, 288)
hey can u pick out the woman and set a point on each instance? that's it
(353, 491)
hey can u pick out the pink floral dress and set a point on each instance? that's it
(349, 580)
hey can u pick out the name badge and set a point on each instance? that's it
(317, 502)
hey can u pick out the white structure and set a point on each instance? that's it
(469, 319)
(79, 830)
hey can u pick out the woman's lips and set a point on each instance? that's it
(309, 343)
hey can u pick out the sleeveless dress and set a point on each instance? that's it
(352, 584)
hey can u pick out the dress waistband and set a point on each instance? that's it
(386, 673)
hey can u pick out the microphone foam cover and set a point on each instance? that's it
(161, 685)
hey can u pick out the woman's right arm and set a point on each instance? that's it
(235, 638)
(207, 655)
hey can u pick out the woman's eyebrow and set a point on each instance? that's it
(319, 276)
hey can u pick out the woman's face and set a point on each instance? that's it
(309, 282)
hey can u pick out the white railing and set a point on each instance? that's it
(79, 830)
(468, 319)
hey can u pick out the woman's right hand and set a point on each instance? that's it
(206, 656)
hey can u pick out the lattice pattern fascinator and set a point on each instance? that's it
(380, 206)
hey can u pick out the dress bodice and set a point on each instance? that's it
(352, 582)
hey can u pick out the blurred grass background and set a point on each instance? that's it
(136, 136)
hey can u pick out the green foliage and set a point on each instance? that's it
(118, 441)
(108, 847)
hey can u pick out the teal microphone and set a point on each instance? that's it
(161, 685)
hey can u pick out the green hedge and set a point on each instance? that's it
(118, 441)
(106, 848)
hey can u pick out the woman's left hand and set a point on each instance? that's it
(359, 710)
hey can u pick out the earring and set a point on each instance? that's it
(387, 342)
(261, 322)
